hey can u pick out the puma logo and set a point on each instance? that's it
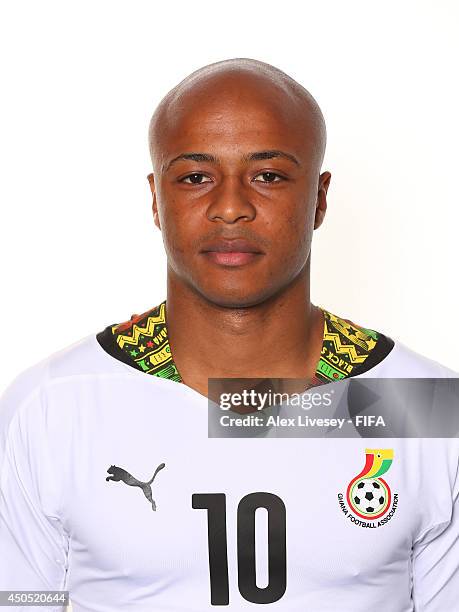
(120, 474)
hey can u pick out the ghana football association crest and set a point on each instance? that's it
(369, 501)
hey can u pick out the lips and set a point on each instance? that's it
(235, 245)
(234, 252)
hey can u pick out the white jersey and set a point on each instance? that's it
(111, 489)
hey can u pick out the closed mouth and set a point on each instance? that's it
(236, 245)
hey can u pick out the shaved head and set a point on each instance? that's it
(227, 82)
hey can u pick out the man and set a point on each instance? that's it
(237, 188)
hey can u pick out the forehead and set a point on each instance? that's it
(238, 114)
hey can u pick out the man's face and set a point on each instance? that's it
(237, 195)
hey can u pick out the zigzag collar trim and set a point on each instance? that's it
(142, 342)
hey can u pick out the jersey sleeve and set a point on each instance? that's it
(33, 541)
(436, 562)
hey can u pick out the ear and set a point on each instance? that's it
(321, 205)
(151, 181)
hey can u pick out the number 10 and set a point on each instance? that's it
(215, 504)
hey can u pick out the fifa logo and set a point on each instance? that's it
(368, 495)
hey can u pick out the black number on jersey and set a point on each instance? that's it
(215, 504)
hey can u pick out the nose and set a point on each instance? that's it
(230, 202)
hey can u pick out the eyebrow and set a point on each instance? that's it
(256, 156)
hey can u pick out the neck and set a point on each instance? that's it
(280, 337)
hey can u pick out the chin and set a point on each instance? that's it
(235, 298)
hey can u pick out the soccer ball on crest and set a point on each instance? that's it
(368, 496)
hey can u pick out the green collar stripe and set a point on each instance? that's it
(142, 342)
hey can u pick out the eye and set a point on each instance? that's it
(269, 177)
(195, 179)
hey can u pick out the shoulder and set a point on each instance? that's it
(83, 358)
(402, 361)
(374, 353)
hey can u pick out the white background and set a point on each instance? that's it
(79, 250)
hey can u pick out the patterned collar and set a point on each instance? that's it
(142, 342)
